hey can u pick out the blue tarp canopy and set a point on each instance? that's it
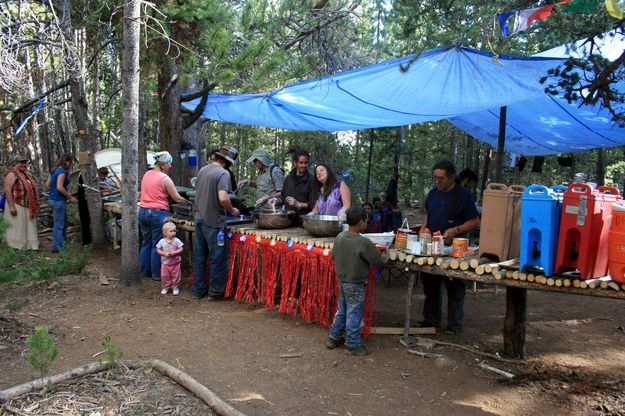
(463, 85)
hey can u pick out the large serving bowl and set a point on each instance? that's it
(269, 218)
(322, 225)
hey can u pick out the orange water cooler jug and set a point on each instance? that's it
(616, 243)
(500, 225)
(583, 236)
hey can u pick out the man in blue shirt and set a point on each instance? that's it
(450, 210)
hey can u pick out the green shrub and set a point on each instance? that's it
(4, 226)
(17, 304)
(24, 266)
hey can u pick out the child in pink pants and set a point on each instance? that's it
(169, 248)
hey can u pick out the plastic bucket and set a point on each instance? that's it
(192, 157)
(616, 243)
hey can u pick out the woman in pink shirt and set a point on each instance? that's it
(156, 186)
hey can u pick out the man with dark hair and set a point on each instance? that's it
(211, 203)
(296, 189)
(353, 254)
(468, 179)
(450, 210)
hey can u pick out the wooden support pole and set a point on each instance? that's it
(501, 142)
(514, 323)
(408, 309)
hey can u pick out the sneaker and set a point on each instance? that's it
(164, 292)
(215, 298)
(426, 324)
(332, 343)
(176, 291)
(358, 351)
(450, 331)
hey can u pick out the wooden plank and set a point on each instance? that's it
(386, 330)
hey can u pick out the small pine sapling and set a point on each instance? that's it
(113, 354)
(43, 351)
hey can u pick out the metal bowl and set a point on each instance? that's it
(269, 219)
(322, 225)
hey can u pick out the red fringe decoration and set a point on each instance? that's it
(371, 312)
(247, 289)
(315, 273)
(291, 270)
(270, 267)
(234, 246)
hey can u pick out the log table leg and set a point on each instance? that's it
(514, 324)
(408, 340)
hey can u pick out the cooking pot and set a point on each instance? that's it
(269, 218)
(322, 225)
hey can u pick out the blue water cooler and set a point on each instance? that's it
(540, 220)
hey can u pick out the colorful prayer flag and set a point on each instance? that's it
(580, 6)
(616, 8)
(525, 18)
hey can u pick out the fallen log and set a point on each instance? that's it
(39, 384)
(215, 402)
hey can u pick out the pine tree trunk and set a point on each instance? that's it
(87, 138)
(170, 121)
(32, 126)
(129, 273)
(7, 137)
(39, 79)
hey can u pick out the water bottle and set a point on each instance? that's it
(220, 237)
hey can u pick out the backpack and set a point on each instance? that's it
(271, 175)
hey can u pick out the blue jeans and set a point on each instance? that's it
(59, 229)
(349, 320)
(206, 247)
(151, 222)
(432, 307)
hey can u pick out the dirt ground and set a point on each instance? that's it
(575, 347)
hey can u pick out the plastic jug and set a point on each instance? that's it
(616, 243)
(501, 221)
(583, 235)
(540, 220)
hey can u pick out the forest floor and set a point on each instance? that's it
(264, 363)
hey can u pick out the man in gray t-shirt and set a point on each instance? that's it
(211, 202)
(211, 179)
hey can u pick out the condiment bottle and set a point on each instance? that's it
(221, 237)
(425, 237)
(437, 243)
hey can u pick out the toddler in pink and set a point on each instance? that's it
(169, 248)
